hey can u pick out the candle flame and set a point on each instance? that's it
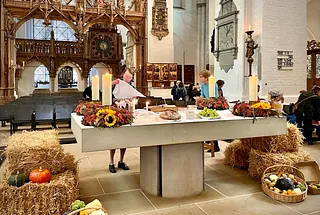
(249, 27)
(147, 102)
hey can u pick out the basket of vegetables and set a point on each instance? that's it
(80, 208)
(284, 183)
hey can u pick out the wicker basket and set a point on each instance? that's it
(274, 170)
(93, 208)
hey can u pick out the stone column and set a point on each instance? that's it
(202, 20)
(16, 86)
(52, 84)
(85, 82)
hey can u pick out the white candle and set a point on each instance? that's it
(95, 88)
(211, 87)
(253, 88)
(11, 62)
(147, 106)
(23, 63)
(140, 66)
(107, 89)
(133, 105)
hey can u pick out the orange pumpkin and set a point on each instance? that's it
(40, 176)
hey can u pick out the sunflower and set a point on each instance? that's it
(105, 111)
(110, 120)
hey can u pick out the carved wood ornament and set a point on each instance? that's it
(160, 19)
(83, 16)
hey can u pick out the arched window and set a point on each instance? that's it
(67, 78)
(41, 77)
(62, 31)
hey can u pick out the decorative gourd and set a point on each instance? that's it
(40, 176)
(285, 184)
(16, 179)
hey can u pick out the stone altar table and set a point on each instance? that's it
(171, 152)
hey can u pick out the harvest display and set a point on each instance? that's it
(80, 208)
(94, 114)
(212, 103)
(260, 109)
(40, 177)
(284, 184)
(256, 154)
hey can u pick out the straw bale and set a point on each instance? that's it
(31, 150)
(259, 161)
(290, 142)
(53, 198)
(236, 154)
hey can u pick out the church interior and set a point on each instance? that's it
(223, 107)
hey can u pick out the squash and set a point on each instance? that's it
(285, 184)
(16, 179)
(40, 176)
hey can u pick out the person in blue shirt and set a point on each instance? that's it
(204, 78)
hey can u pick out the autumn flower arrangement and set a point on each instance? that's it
(212, 103)
(94, 114)
(260, 109)
(87, 108)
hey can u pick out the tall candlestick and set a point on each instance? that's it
(107, 89)
(253, 88)
(147, 106)
(211, 87)
(95, 88)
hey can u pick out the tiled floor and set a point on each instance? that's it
(227, 191)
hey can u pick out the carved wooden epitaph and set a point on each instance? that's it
(227, 27)
(160, 19)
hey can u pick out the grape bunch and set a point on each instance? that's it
(209, 113)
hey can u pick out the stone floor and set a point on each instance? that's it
(227, 191)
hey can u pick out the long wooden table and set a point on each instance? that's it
(171, 153)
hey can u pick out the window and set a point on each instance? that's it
(41, 77)
(62, 31)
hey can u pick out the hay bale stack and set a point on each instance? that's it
(290, 142)
(31, 150)
(237, 154)
(259, 161)
(52, 198)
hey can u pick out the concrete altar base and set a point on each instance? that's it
(172, 171)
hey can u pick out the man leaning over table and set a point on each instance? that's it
(127, 77)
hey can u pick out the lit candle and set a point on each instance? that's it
(133, 105)
(140, 66)
(211, 87)
(253, 88)
(147, 106)
(249, 27)
(23, 63)
(95, 88)
(107, 89)
(11, 62)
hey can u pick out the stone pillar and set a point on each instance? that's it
(52, 84)
(85, 82)
(211, 26)
(202, 20)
